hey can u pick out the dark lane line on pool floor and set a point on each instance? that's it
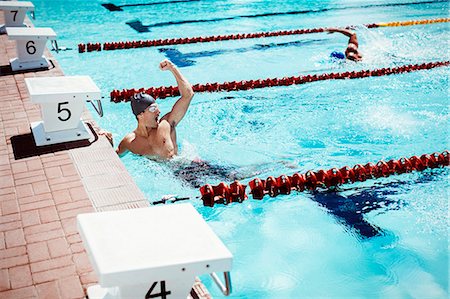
(350, 209)
(141, 28)
(186, 59)
(113, 7)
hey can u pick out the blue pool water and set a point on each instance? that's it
(378, 239)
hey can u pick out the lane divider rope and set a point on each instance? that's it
(311, 180)
(108, 46)
(171, 91)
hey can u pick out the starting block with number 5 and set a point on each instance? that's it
(62, 102)
(15, 12)
(30, 43)
(152, 252)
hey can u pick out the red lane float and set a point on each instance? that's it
(311, 180)
(108, 46)
(171, 91)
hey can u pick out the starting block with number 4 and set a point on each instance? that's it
(152, 252)
(62, 102)
(15, 12)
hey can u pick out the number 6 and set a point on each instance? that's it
(31, 49)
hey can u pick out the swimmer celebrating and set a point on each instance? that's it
(154, 137)
(351, 53)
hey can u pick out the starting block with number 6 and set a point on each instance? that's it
(15, 12)
(62, 102)
(152, 252)
(30, 47)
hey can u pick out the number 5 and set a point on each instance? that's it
(69, 114)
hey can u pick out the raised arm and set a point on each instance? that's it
(346, 32)
(181, 106)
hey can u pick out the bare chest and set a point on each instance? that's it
(160, 142)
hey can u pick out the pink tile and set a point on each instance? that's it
(13, 261)
(69, 170)
(48, 214)
(71, 287)
(45, 236)
(58, 247)
(38, 252)
(49, 275)
(6, 181)
(61, 196)
(74, 212)
(8, 226)
(34, 164)
(30, 180)
(78, 193)
(28, 174)
(69, 226)
(2, 241)
(4, 280)
(26, 292)
(77, 247)
(24, 190)
(82, 263)
(14, 238)
(52, 263)
(9, 207)
(37, 205)
(30, 218)
(48, 290)
(35, 198)
(88, 278)
(20, 276)
(53, 172)
(13, 251)
(40, 187)
(41, 228)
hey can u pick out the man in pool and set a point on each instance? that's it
(352, 52)
(156, 137)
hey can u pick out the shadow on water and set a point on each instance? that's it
(350, 209)
(141, 28)
(186, 59)
(113, 7)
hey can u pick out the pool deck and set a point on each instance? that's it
(41, 253)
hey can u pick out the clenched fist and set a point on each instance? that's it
(166, 65)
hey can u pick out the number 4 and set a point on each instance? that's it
(163, 293)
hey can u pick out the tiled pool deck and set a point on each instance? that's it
(41, 253)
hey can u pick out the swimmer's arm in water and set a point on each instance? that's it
(352, 35)
(181, 106)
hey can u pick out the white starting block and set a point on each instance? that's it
(30, 47)
(152, 252)
(15, 12)
(62, 101)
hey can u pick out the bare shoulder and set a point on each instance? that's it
(165, 120)
(126, 142)
(129, 138)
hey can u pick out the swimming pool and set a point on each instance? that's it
(384, 238)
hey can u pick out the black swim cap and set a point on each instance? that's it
(140, 102)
